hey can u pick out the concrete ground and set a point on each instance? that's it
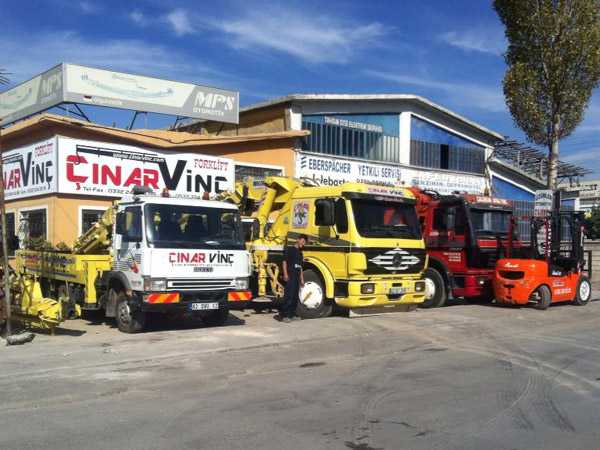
(459, 377)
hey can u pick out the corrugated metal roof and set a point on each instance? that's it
(154, 138)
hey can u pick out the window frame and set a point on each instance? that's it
(28, 209)
(80, 211)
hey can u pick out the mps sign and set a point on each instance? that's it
(333, 171)
(111, 170)
(79, 84)
(30, 170)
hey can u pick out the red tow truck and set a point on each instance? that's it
(465, 235)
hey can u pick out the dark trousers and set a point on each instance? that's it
(291, 296)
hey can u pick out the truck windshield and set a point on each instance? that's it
(376, 218)
(183, 226)
(490, 223)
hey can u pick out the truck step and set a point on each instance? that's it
(262, 300)
(378, 310)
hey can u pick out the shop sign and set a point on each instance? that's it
(334, 171)
(30, 170)
(79, 84)
(543, 202)
(111, 170)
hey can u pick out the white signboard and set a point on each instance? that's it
(333, 171)
(111, 170)
(543, 202)
(80, 84)
(30, 170)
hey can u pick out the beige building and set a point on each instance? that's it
(62, 173)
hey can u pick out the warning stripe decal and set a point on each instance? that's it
(239, 296)
(163, 298)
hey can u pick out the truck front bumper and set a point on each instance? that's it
(385, 292)
(181, 301)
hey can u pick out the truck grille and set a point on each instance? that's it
(200, 285)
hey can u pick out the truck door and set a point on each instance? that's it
(332, 241)
(128, 255)
(448, 236)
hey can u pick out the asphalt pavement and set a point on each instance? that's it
(459, 377)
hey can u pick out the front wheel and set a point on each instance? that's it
(313, 304)
(435, 289)
(128, 319)
(584, 291)
(542, 297)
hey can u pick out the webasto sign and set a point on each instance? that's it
(74, 166)
(334, 171)
(79, 84)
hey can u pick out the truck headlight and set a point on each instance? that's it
(155, 284)
(367, 288)
(241, 283)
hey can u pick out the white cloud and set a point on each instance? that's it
(179, 20)
(26, 56)
(88, 7)
(588, 155)
(490, 41)
(467, 95)
(138, 17)
(312, 38)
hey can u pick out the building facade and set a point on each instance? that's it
(61, 174)
(389, 139)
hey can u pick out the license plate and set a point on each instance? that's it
(203, 306)
(397, 290)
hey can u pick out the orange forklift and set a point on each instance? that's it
(551, 269)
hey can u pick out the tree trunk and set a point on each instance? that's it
(553, 156)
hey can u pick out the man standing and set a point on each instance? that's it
(293, 277)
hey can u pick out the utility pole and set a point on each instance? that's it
(6, 280)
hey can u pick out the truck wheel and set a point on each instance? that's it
(216, 318)
(435, 289)
(128, 321)
(313, 304)
(542, 297)
(584, 291)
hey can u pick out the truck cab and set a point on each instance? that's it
(364, 248)
(465, 235)
(175, 254)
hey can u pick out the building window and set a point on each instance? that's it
(258, 173)
(34, 223)
(431, 146)
(368, 136)
(89, 217)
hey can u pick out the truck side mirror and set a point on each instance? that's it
(121, 227)
(325, 212)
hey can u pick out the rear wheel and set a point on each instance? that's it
(128, 320)
(435, 289)
(313, 304)
(584, 291)
(542, 297)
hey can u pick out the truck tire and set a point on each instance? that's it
(435, 289)
(128, 320)
(313, 304)
(216, 318)
(584, 291)
(543, 297)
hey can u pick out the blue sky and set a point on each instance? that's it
(449, 52)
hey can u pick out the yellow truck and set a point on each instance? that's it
(365, 251)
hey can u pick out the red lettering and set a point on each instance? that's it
(135, 178)
(72, 161)
(115, 177)
(151, 178)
